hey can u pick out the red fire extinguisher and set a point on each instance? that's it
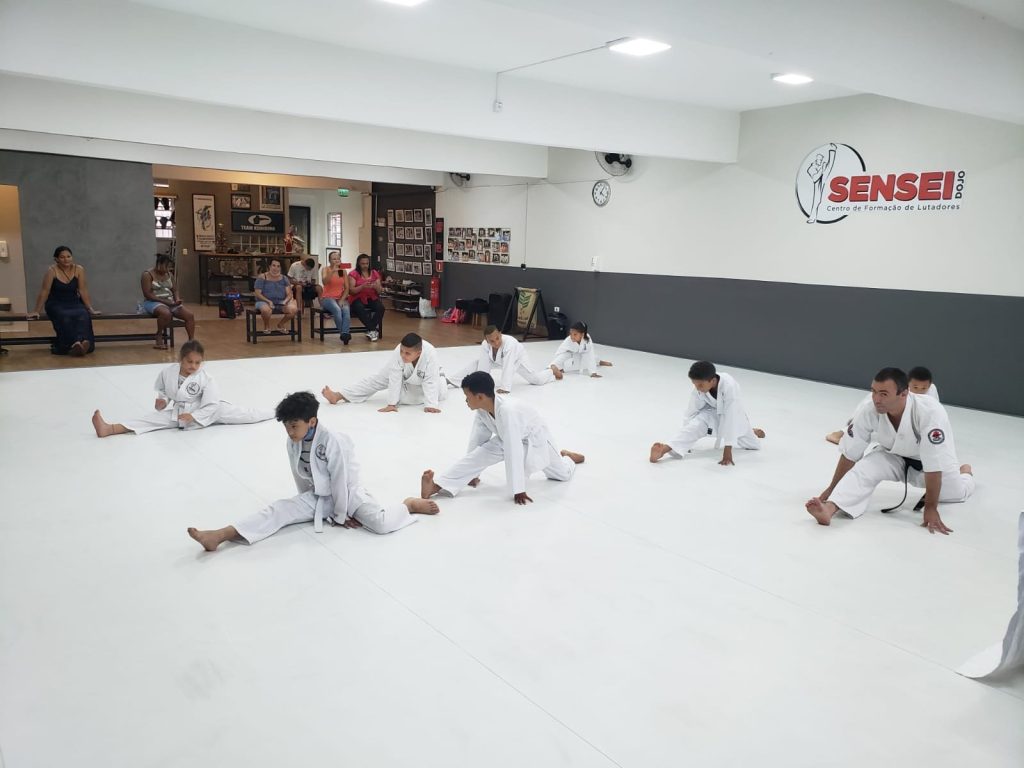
(435, 292)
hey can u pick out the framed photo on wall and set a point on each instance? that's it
(271, 199)
(204, 218)
(391, 217)
(241, 201)
(428, 216)
(399, 216)
(417, 215)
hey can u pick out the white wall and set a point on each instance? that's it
(741, 220)
(320, 203)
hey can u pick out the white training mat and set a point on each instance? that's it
(639, 616)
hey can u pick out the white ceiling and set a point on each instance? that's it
(353, 66)
(965, 55)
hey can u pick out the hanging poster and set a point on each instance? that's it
(204, 217)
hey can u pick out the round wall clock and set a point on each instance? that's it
(602, 193)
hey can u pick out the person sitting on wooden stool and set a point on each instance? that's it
(364, 296)
(334, 298)
(161, 300)
(274, 295)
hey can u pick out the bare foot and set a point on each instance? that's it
(966, 469)
(78, 349)
(213, 539)
(577, 458)
(421, 506)
(558, 373)
(822, 511)
(834, 437)
(474, 482)
(605, 363)
(427, 485)
(332, 397)
(102, 428)
(759, 432)
(658, 450)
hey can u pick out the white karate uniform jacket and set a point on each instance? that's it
(924, 434)
(335, 471)
(511, 357)
(729, 421)
(197, 395)
(426, 375)
(571, 356)
(520, 433)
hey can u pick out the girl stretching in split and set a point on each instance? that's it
(187, 398)
(576, 354)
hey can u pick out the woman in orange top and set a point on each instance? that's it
(334, 299)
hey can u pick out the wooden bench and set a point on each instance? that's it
(12, 341)
(294, 331)
(321, 330)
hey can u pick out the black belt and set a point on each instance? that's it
(908, 464)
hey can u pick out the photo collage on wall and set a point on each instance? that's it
(483, 245)
(410, 241)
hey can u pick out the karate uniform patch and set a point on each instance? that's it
(936, 436)
(192, 388)
(849, 428)
(321, 452)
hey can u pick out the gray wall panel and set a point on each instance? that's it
(973, 343)
(101, 209)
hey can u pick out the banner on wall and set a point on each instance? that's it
(832, 182)
(204, 217)
(264, 223)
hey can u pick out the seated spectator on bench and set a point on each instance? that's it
(364, 284)
(161, 300)
(65, 295)
(274, 296)
(335, 295)
(302, 275)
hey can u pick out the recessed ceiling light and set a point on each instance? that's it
(637, 46)
(792, 79)
(406, 3)
(161, 184)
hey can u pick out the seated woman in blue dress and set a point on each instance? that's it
(65, 296)
(273, 291)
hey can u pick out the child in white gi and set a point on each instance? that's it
(920, 384)
(412, 376)
(503, 430)
(914, 444)
(187, 398)
(715, 409)
(576, 354)
(498, 349)
(327, 477)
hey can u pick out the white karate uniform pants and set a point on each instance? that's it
(699, 427)
(226, 414)
(412, 394)
(571, 365)
(469, 467)
(537, 378)
(854, 491)
(374, 516)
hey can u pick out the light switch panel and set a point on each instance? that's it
(4, 254)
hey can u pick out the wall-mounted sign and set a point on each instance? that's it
(832, 183)
(263, 222)
(204, 217)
